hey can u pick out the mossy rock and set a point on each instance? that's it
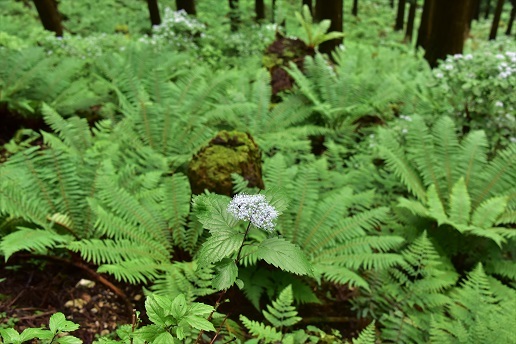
(227, 153)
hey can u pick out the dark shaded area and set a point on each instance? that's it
(280, 54)
(33, 290)
(11, 122)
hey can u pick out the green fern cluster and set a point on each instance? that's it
(465, 200)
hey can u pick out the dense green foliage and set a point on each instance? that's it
(389, 181)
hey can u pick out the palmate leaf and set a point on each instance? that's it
(30, 239)
(284, 255)
(219, 246)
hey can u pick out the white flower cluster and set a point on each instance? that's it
(508, 66)
(254, 208)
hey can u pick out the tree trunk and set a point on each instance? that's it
(354, 10)
(154, 12)
(496, 20)
(234, 16)
(410, 21)
(187, 5)
(488, 9)
(332, 10)
(309, 4)
(449, 26)
(400, 17)
(476, 10)
(511, 20)
(49, 16)
(391, 2)
(259, 9)
(425, 27)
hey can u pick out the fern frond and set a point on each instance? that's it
(28, 239)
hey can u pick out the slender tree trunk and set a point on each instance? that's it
(496, 20)
(391, 2)
(49, 16)
(354, 10)
(476, 10)
(425, 27)
(332, 10)
(488, 9)
(259, 9)
(309, 3)
(511, 20)
(448, 29)
(400, 17)
(187, 5)
(234, 16)
(154, 12)
(410, 21)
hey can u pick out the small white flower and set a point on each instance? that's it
(500, 56)
(468, 57)
(448, 67)
(439, 75)
(254, 208)
(457, 56)
(499, 104)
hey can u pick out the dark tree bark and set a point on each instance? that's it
(187, 5)
(154, 12)
(354, 9)
(488, 9)
(234, 16)
(410, 21)
(511, 19)
(391, 3)
(496, 19)
(475, 15)
(49, 16)
(259, 9)
(332, 10)
(400, 17)
(425, 26)
(449, 26)
(309, 3)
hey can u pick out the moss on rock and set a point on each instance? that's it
(228, 152)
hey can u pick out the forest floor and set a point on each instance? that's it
(31, 290)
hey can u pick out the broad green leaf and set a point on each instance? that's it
(284, 255)
(179, 306)
(219, 246)
(226, 274)
(155, 312)
(199, 323)
(435, 206)
(58, 323)
(211, 210)
(198, 308)
(277, 198)
(460, 203)
(30, 333)
(488, 212)
(69, 340)
(164, 338)
(10, 335)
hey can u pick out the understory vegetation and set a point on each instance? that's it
(164, 157)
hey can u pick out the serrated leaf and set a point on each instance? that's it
(69, 340)
(10, 335)
(31, 333)
(211, 210)
(460, 203)
(219, 246)
(164, 338)
(58, 323)
(179, 306)
(29, 239)
(199, 323)
(277, 198)
(284, 255)
(155, 312)
(487, 213)
(226, 274)
(198, 308)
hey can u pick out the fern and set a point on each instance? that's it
(457, 187)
